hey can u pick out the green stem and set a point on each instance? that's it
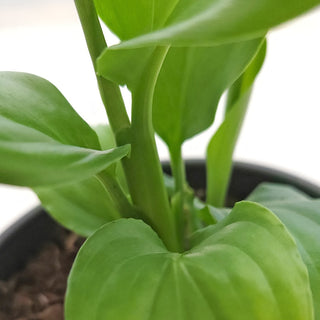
(110, 92)
(179, 175)
(142, 168)
(120, 200)
(178, 170)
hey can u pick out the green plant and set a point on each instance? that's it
(154, 250)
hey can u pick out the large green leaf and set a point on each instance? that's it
(209, 22)
(44, 142)
(82, 207)
(245, 267)
(34, 102)
(301, 215)
(183, 23)
(221, 146)
(31, 158)
(125, 67)
(42, 139)
(190, 84)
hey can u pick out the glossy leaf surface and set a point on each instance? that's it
(221, 146)
(247, 261)
(301, 215)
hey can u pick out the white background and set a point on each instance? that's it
(282, 128)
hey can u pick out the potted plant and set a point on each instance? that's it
(154, 249)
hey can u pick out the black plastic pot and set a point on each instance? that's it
(25, 237)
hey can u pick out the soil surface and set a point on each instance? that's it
(37, 292)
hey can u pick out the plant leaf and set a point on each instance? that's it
(114, 65)
(208, 22)
(184, 23)
(107, 141)
(248, 261)
(209, 214)
(34, 102)
(221, 146)
(190, 85)
(31, 158)
(82, 207)
(273, 193)
(301, 215)
(105, 136)
(43, 141)
(128, 19)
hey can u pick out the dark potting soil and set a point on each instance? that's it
(37, 292)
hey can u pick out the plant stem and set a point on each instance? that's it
(178, 170)
(110, 92)
(111, 97)
(179, 175)
(120, 200)
(143, 169)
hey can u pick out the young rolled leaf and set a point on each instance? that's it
(222, 144)
(248, 261)
(301, 215)
(35, 103)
